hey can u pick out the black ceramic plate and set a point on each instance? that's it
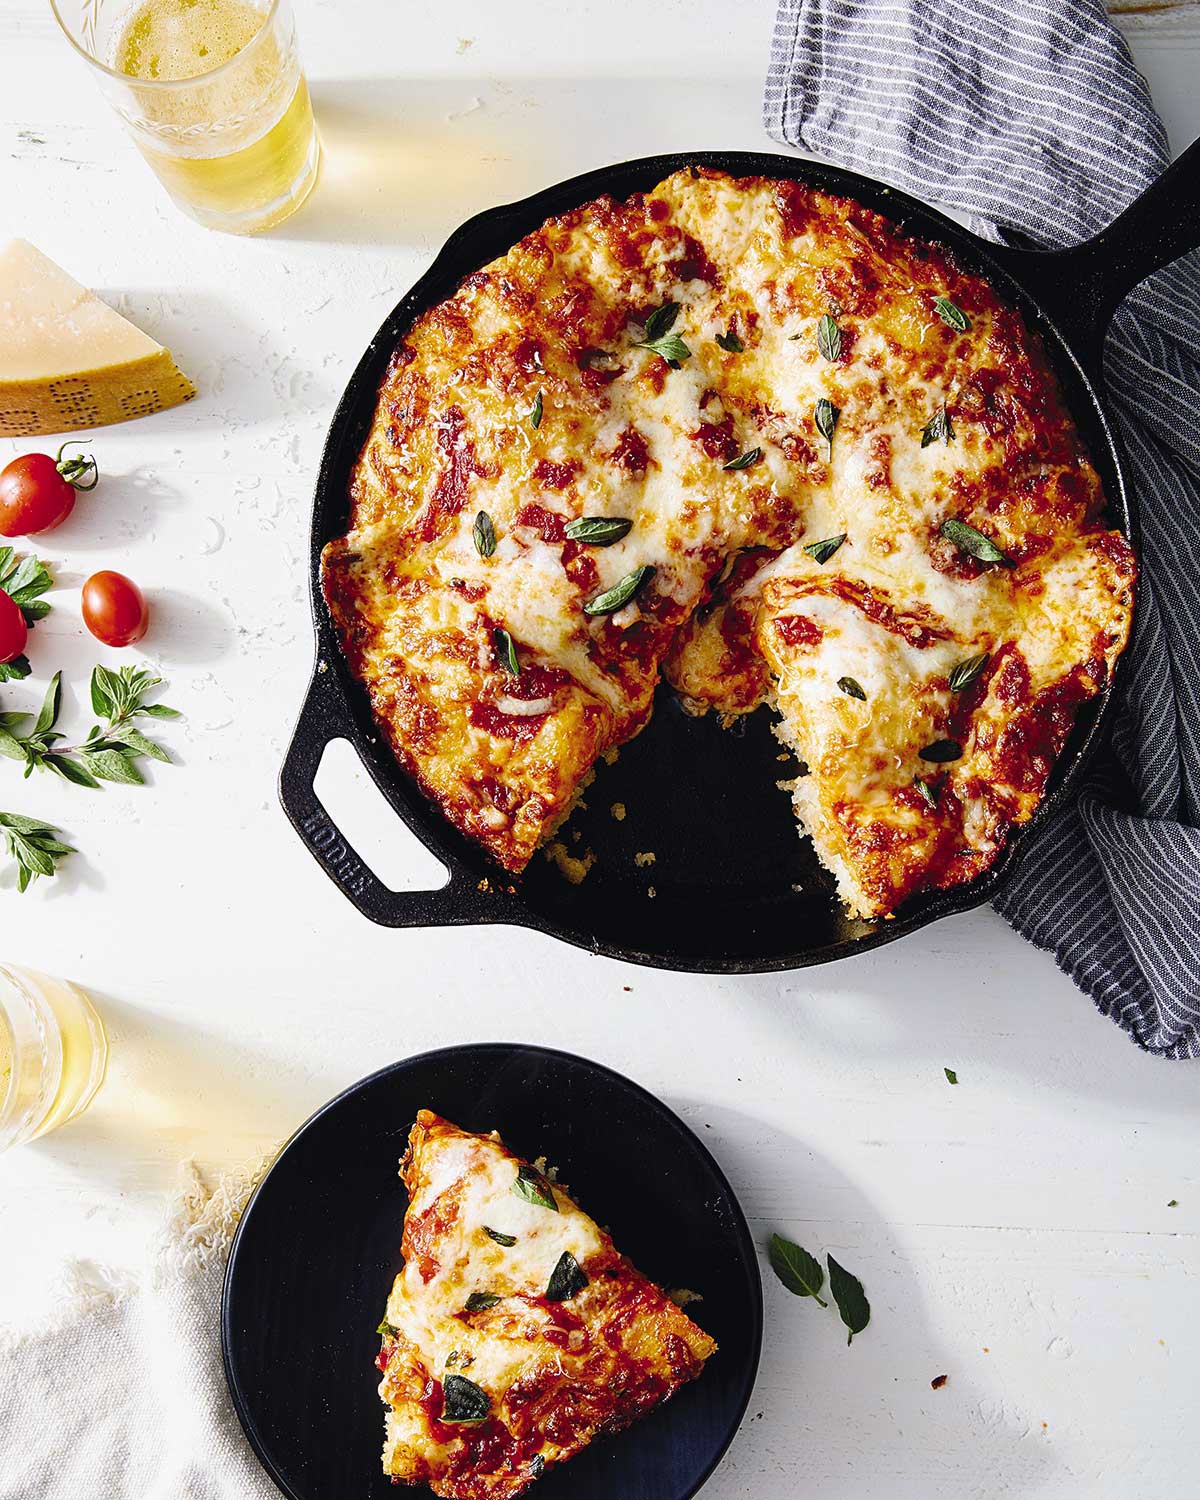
(318, 1247)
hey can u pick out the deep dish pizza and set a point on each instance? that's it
(516, 1332)
(757, 439)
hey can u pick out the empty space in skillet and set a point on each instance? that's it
(318, 1249)
(735, 886)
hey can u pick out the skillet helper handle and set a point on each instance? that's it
(323, 718)
(1083, 287)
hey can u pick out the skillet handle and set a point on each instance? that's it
(323, 718)
(1081, 288)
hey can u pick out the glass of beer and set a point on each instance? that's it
(52, 1054)
(214, 97)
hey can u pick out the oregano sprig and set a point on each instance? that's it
(111, 750)
(35, 846)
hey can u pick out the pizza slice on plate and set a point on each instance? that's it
(516, 1332)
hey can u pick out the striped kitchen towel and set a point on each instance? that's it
(1030, 116)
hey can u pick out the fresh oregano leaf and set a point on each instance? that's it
(851, 688)
(972, 542)
(952, 316)
(800, 1272)
(111, 765)
(826, 417)
(506, 650)
(965, 673)
(829, 338)
(847, 1292)
(534, 1188)
(464, 1401)
(507, 1240)
(567, 1279)
(744, 460)
(16, 670)
(951, 1075)
(822, 551)
(535, 415)
(671, 348)
(938, 428)
(483, 534)
(926, 791)
(481, 1301)
(621, 593)
(597, 531)
(385, 1328)
(730, 342)
(661, 320)
(48, 714)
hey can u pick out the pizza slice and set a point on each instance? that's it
(516, 1332)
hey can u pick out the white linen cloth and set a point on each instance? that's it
(122, 1396)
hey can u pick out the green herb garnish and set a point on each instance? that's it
(744, 460)
(851, 1300)
(941, 750)
(506, 650)
(926, 791)
(826, 417)
(598, 531)
(938, 428)
(973, 542)
(567, 1279)
(535, 415)
(481, 1301)
(385, 1328)
(463, 1400)
(660, 340)
(965, 673)
(851, 688)
(507, 1240)
(484, 534)
(730, 342)
(951, 1075)
(829, 338)
(35, 846)
(110, 752)
(822, 551)
(534, 1188)
(952, 316)
(799, 1271)
(621, 593)
(24, 580)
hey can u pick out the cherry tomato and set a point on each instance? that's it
(37, 492)
(13, 630)
(114, 609)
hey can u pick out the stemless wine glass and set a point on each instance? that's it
(214, 97)
(52, 1054)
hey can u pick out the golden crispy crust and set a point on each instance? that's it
(553, 1373)
(555, 328)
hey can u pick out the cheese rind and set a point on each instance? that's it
(67, 359)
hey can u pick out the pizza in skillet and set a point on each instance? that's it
(516, 1332)
(757, 439)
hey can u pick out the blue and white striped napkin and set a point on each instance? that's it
(1029, 115)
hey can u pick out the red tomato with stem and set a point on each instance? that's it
(37, 492)
(13, 630)
(115, 609)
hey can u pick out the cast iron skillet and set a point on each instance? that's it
(732, 889)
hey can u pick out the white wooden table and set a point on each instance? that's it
(1013, 1233)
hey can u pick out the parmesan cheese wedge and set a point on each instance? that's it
(67, 360)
